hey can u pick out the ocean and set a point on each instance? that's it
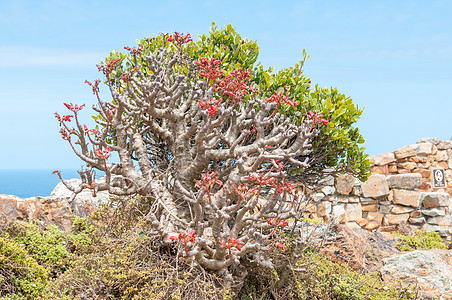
(30, 183)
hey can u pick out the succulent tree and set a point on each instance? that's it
(193, 132)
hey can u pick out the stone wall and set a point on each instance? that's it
(418, 158)
(398, 193)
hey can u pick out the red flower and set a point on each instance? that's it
(67, 118)
(185, 238)
(292, 103)
(279, 245)
(231, 242)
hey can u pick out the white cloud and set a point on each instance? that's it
(35, 57)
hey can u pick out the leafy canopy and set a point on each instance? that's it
(338, 142)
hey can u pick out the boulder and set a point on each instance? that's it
(375, 187)
(60, 191)
(434, 211)
(397, 219)
(344, 184)
(432, 140)
(404, 153)
(405, 197)
(56, 211)
(359, 248)
(374, 220)
(405, 181)
(444, 145)
(430, 270)
(434, 199)
(353, 212)
(383, 158)
(423, 148)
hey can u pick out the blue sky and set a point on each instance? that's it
(394, 58)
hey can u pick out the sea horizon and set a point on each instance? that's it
(26, 183)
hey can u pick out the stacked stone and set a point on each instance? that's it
(383, 203)
(418, 158)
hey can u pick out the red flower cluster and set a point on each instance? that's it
(95, 85)
(58, 174)
(279, 245)
(75, 108)
(210, 68)
(208, 181)
(109, 67)
(211, 105)
(261, 179)
(277, 222)
(92, 131)
(280, 99)
(243, 191)
(231, 242)
(102, 154)
(316, 118)
(234, 85)
(134, 50)
(179, 38)
(185, 238)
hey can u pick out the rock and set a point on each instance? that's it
(359, 248)
(404, 153)
(353, 212)
(441, 155)
(328, 190)
(56, 211)
(397, 219)
(403, 171)
(391, 228)
(404, 181)
(416, 221)
(382, 159)
(344, 184)
(433, 140)
(430, 270)
(434, 211)
(398, 209)
(440, 220)
(392, 169)
(324, 209)
(433, 199)
(338, 212)
(60, 191)
(328, 180)
(316, 197)
(383, 170)
(444, 145)
(361, 222)
(8, 207)
(405, 197)
(372, 207)
(385, 209)
(375, 187)
(443, 165)
(423, 173)
(310, 207)
(407, 165)
(374, 220)
(423, 148)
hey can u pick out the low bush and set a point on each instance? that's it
(421, 240)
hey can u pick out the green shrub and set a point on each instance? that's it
(47, 245)
(21, 277)
(421, 240)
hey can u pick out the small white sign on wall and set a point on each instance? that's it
(438, 177)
